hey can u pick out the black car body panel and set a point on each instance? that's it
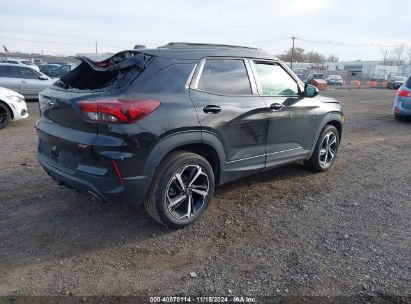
(240, 133)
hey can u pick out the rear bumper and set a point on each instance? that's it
(133, 190)
(405, 115)
(400, 109)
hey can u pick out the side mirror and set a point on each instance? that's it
(43, 77)
(310, 90)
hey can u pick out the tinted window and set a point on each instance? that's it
(9, 71)
(27, 73)
(225, 76)
(274, 80)
(3, 72)
(408, 84)
(171, 80)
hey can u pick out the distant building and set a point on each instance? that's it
(301, 67)
(363, 69)
(404, 69)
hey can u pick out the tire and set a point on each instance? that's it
(183, 179)
(398, 117)
(322, 158)
(5, 115)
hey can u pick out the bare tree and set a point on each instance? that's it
(301, 56)
(398, 55)
(315, 57)
(332, 58)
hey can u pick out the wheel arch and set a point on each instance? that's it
(334, 119)
(8, 107)
(197, 142)
(338, 125)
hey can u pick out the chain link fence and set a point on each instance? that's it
(355, 78)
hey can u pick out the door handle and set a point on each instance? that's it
(211, 109)
(23, 81)
(276, 106)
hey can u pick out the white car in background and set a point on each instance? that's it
(22, 62)
(334, 80)
(12, 107)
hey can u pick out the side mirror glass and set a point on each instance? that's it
(310, 90)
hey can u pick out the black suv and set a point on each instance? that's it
(164, 126)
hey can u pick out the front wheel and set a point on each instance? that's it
(5, 115)
(181, 189)
(325, 150)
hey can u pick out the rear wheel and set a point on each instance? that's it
(181, 190)
(5, 115)
(325, 150)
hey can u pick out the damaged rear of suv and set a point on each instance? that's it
(164, 126)
(88, 136)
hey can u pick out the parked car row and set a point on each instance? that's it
(22, 63)
(60, 70)
(55, 70)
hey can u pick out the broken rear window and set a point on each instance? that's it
(112, 73)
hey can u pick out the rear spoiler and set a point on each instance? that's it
(118, 61)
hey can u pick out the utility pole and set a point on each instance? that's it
(292, 52)
(96, 47)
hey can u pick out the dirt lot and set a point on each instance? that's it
(285, 232)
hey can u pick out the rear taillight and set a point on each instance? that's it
(403, 93)
(117, 110)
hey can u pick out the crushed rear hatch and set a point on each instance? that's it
(96, 76)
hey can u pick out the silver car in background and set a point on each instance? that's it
(22, 62)
(24, 80)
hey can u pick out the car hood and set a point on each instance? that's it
(6, 92)
(327, 99)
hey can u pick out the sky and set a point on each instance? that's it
(357, 29)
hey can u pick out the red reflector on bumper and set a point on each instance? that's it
(118, 173)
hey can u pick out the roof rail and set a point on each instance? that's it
(189, 45)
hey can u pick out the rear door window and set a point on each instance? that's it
(9, 71)
(225, 76)
(273, 80)
(3, 72)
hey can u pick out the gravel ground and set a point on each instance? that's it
(288, 231)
